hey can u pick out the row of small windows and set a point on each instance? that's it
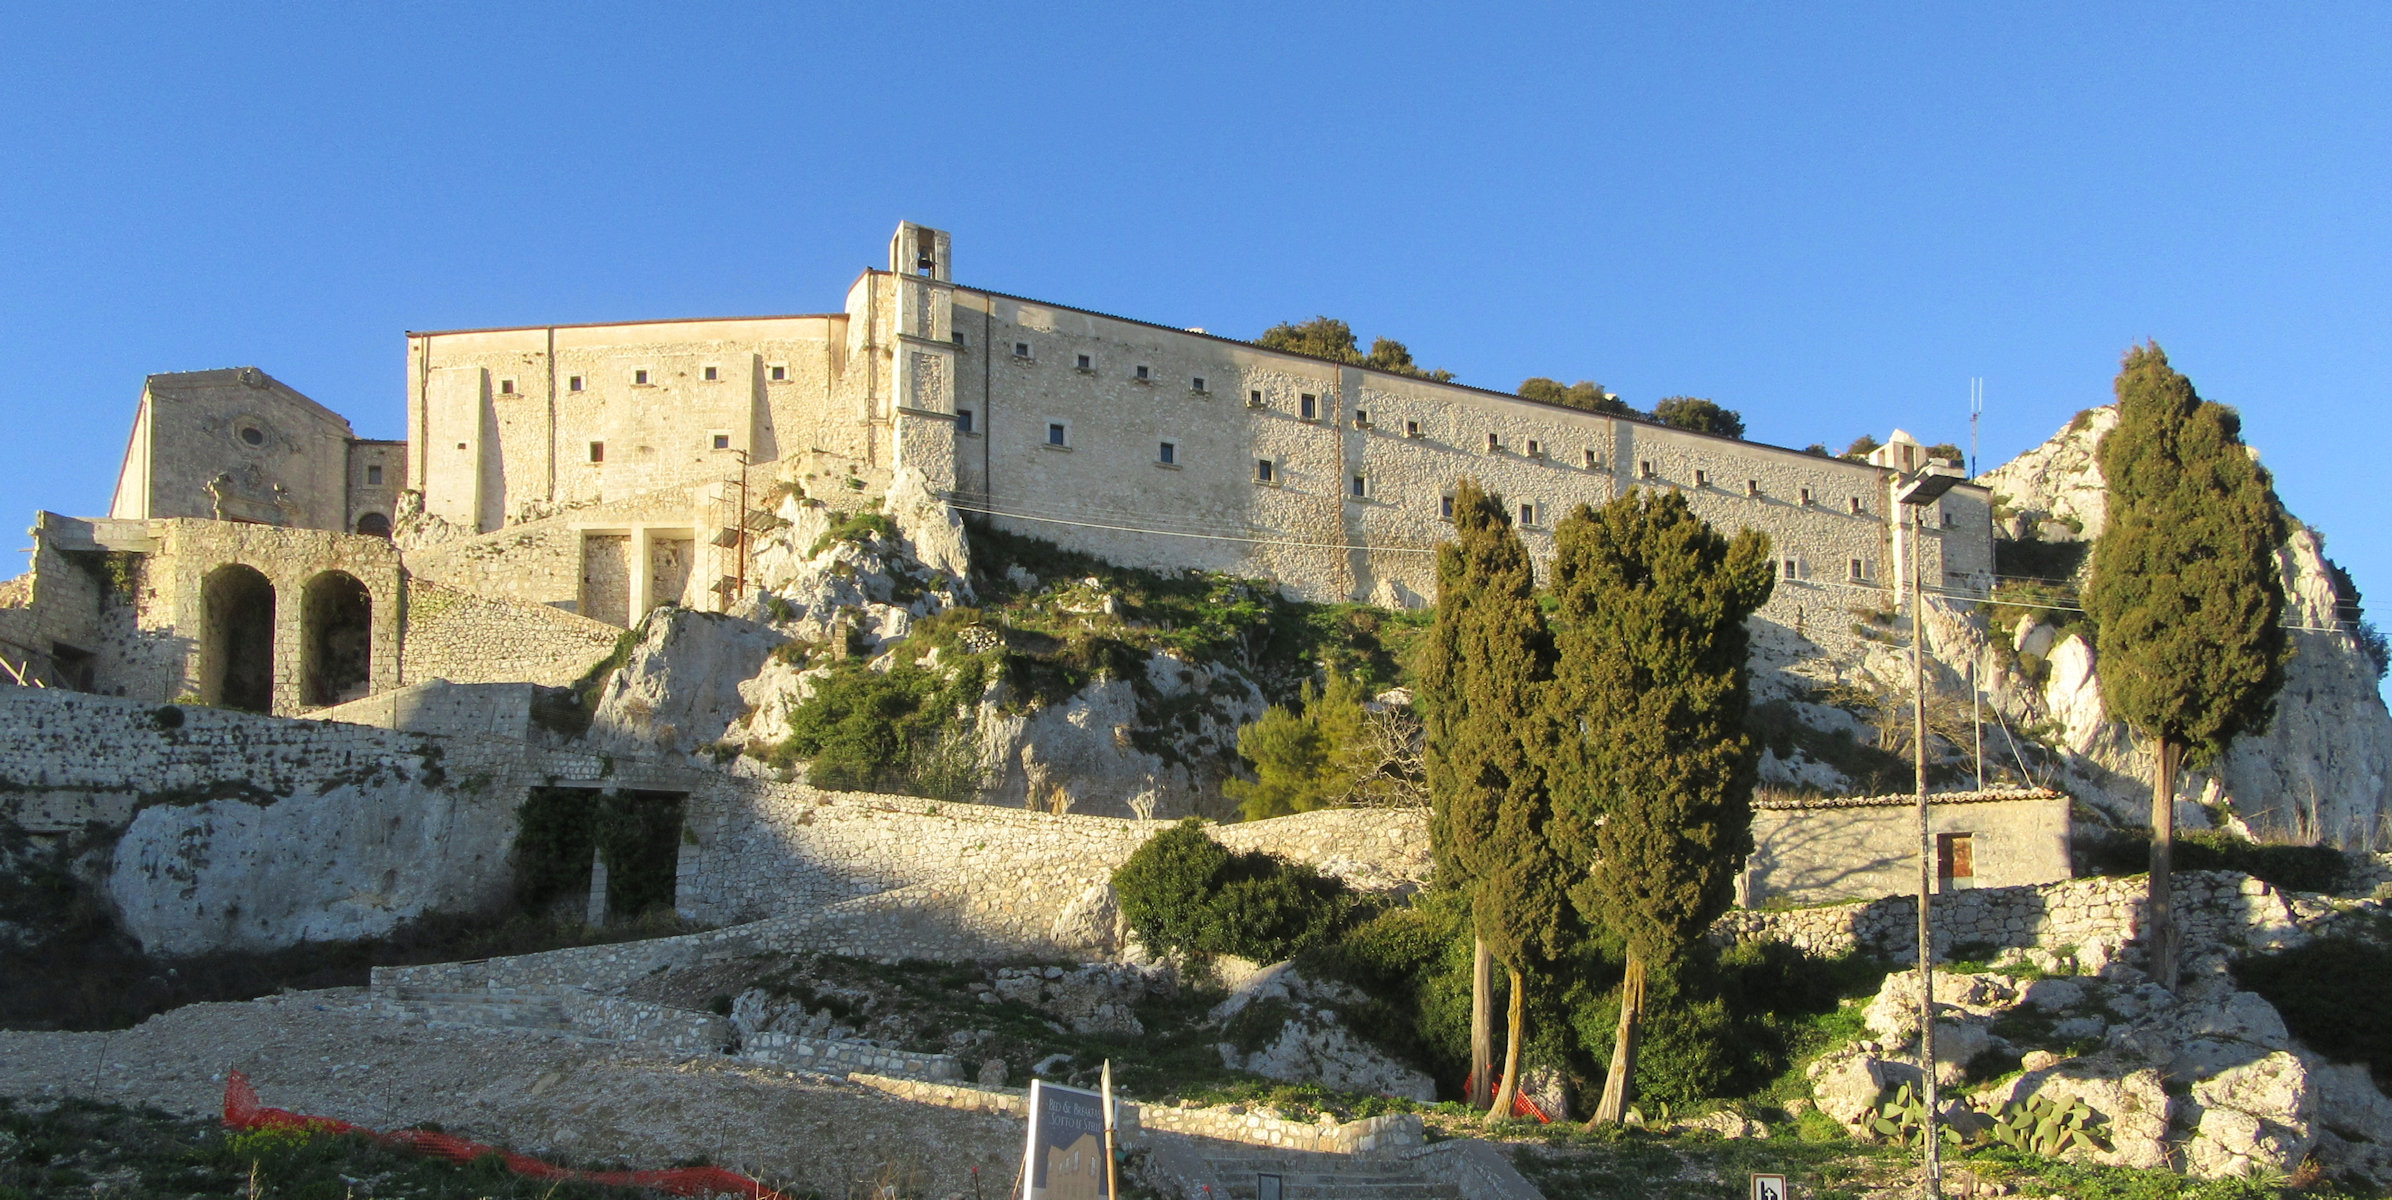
(641, 377)
(715, 441)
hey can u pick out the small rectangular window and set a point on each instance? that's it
(1361, 487)
(1855, 503)
(573, 383)
(963, 420)
(506, 387)
(1793, 568)
(1196, 384)
(1445, 507)
(1056, 433)
(1308, 405)
(959, 338)
(722, 441)
(1806, 495)
(1254, 398)
(1857, 574)
(1167, 453)
(373, 476)
(1411, 429)
(597, 452)
(1361, 418)
(1494, 443)
(639, 376)
(1536, 449)
(1142, 375)
(1593, 462)
(1528, 514)
(1752, 488)
(710, 374)
(1644, 468)
(1950, 521)
(1021, 349)
(779, 373)
(1085, 362)
(1702, 478)
(1263, 470)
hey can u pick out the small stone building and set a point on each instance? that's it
(1860, 848)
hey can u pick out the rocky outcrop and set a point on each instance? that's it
(1281, 1025)
(2322, 769)
(683, 683)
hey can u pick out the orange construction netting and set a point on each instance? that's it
(242, 1111)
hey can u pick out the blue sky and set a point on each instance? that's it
(1827, 218)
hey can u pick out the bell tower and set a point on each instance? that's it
(922, 374)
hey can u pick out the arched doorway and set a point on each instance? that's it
(236, 642)
(336, 654)
(374, 525)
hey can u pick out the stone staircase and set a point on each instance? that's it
(1311, 1175)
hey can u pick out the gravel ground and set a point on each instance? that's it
(324, 1054)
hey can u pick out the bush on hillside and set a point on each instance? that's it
(1185, 893)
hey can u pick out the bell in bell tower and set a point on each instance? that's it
(921, 252)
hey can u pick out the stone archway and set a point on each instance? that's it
(374, 524)
(336, 654)
(236, 642)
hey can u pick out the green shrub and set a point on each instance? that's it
(1184, 892)
(892, 731)
(2293, 868)
(2327, 992)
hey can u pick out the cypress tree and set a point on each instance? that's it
(1653, 774)
(1482, 671)
(2186, 603)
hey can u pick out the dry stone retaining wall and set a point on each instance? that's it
(1387, 1134)
(465, 638)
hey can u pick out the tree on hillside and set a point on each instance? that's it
(1333, 749)
(1332, 339)
(1653, 773)
(1483, 667)
(1585, 394)
(1860, 449)
(1699, 415)
(2185, 599)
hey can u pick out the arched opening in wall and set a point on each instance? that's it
(336, 624)
(236, 641)
(596, 856)
(374, 525)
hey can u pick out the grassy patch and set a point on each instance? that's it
(81, 1148)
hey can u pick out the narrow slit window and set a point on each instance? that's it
(1793, 568)
(597, 452)
(1445, 507)
(1254, 398)
(1857, 572)
(1806, 495)
(1644, 468)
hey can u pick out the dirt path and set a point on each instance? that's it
(323, 1053)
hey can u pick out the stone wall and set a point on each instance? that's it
(1253, 1126)
(2221, 908)
(466, 638)
(1822, 851)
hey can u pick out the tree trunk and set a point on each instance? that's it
(1515, 1019)
(1482, 1024)
(2159, 918)
(1623, 1048)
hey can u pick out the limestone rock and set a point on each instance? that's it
(2133, 1103)
(682, 684)
(2255, 1118)
(1310, 1043)
(1095, 998)
(1092, 923)
(1846, 1084)
(932, 530)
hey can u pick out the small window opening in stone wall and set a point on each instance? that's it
(236, 640)
(1702, 478)
(506, 387)
(1950, 520)
(1594, 461)
(640, 377)
(1793, 568)
(722, 441)
(1411, 429)
(1308, 406)
(336, 618)
(572, 383)
(374, 524)
(597, 452)
(1361, 487)
(1855, 504)
(1361, 418)
(710, 374)
(1021, 349)
(373, 476)
(253, 435)
(1752, 488)
(1445, 506)
(963, 420)
(1084, 362)
(1806, 495)
(959, 339)
(1644, 468)
(1167, 453)
(1254, 398)
(1196, 383)
(1264, 470)
(1536, 449)
(1058, 434)
(1859, 571)
(1142, 374)
(1528, 514)
(777, 373)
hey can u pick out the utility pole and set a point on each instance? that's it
(1923, 489)
(1976, 718)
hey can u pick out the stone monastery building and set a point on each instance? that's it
(559, 481)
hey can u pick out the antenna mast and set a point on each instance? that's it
(1976, 408)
